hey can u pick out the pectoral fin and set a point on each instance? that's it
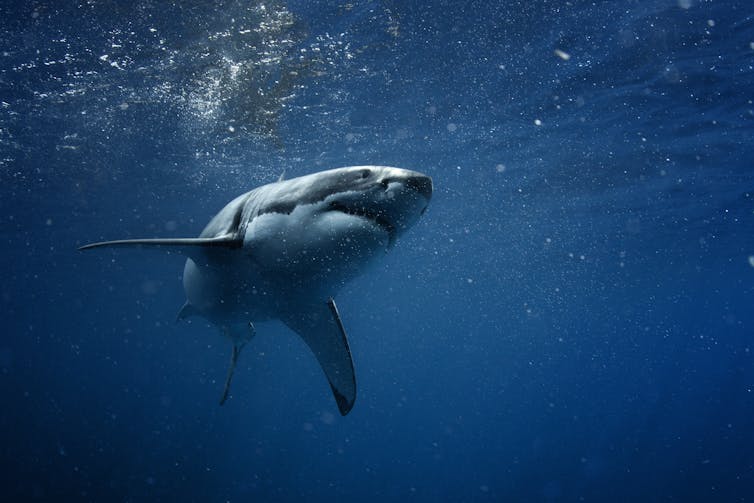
(318, 323)
(228, 241)
(196, 248)
(199, 249)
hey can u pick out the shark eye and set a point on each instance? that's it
(365, 173)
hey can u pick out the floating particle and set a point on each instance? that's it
(562, 55)
(537, 122)
(710, 23)
(684, 4)
(452, 127)
(150, 287)
(123, 106)
(500, 168)
(327, 418)
(751, 260)
(231, 129)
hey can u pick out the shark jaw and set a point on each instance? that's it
(375, 217)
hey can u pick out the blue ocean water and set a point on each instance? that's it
(571, 320)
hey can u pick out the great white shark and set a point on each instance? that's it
(283, 250)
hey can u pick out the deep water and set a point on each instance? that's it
(571, 320)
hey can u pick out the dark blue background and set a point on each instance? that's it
(572, 318)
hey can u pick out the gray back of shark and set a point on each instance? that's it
(281, 251)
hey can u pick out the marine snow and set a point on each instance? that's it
(562, 54)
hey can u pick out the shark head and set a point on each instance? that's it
(387, 200)
(333, 221)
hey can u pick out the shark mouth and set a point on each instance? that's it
(371, 215)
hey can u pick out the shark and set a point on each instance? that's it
(283, 250)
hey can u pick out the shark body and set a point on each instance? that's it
(282, 250)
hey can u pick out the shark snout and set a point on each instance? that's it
(421, 184)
